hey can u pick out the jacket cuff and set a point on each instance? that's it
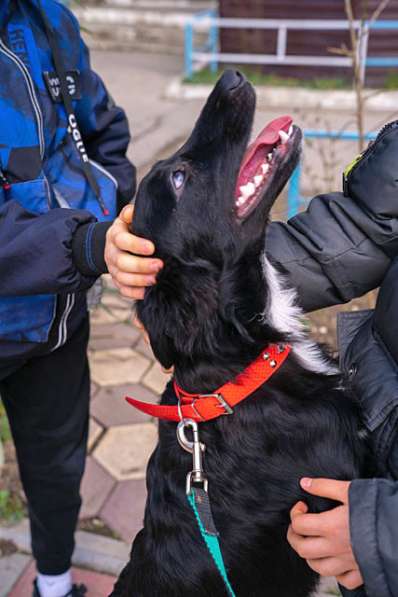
(88, 248)
(364, 515)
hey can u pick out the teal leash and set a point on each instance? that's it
(212, 543)
(198, 498)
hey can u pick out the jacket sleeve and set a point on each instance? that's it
(341, 246)
(374, 534)
(40, 254)
(105, 129)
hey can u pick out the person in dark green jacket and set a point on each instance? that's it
(341, 247)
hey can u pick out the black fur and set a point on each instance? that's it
(204, 317)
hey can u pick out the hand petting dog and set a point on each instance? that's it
(324, 539)
(128, 257)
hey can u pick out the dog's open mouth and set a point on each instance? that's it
(261, 162)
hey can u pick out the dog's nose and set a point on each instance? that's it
(232, 79)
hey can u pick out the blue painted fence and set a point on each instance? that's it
(208, 54)
(295, 200)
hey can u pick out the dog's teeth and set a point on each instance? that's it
(284, 137)
(265, 168)
(240, 201)
(290, 130)
(269, 157)
(258, 180)
(247, 190)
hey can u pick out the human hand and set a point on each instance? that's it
(131, 274)
(324, 539)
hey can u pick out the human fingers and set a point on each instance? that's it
(313, 525)
(311, 548)
(126, 241)
(334, 566)
(133, 264)
(327, 488)
(134, 293)
(299, 508)
(127, 214)
(351, 580)
(131, 280)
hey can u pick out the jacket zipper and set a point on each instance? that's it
(32, 92)
(104, 171)
(384, 131)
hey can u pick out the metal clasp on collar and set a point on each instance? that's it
(222, 403)
(196, 448)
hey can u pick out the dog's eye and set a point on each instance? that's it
(178, 178)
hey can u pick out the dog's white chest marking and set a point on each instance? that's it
(283, 313)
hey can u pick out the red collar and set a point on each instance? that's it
(204, 407)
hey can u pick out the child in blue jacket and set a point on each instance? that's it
(63, 175)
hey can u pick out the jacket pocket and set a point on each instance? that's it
(370, 370)
(372, 374)
(27, 318)
(70, 187)
(32, 195)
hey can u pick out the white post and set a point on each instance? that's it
(281, 43)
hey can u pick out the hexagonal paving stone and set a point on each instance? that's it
(93, 390)
(124, 510)
(112, 298)
(94, 432)
(11, 568)
(99, 315)
(124, 450)
(144, 348)
(116, 366)
(155, 379)
(116, 335)
(96, 486)
(110, 407)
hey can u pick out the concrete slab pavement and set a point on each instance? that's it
(138, 82)
(92, 551)
(11, 569)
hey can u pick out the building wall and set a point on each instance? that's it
(305, 43)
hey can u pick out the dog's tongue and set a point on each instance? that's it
(269, 136)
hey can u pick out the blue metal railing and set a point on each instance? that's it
(196, 57)
(295, 201)
(211, 45)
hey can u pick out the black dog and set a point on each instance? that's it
(217, 304)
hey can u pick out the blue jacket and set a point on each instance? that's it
(46, 201)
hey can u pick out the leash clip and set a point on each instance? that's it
(196, 448)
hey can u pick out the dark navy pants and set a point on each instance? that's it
(47, 403)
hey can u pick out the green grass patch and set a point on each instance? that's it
(11, 507)
(391, 82)
(5, 433)
(258, 78)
